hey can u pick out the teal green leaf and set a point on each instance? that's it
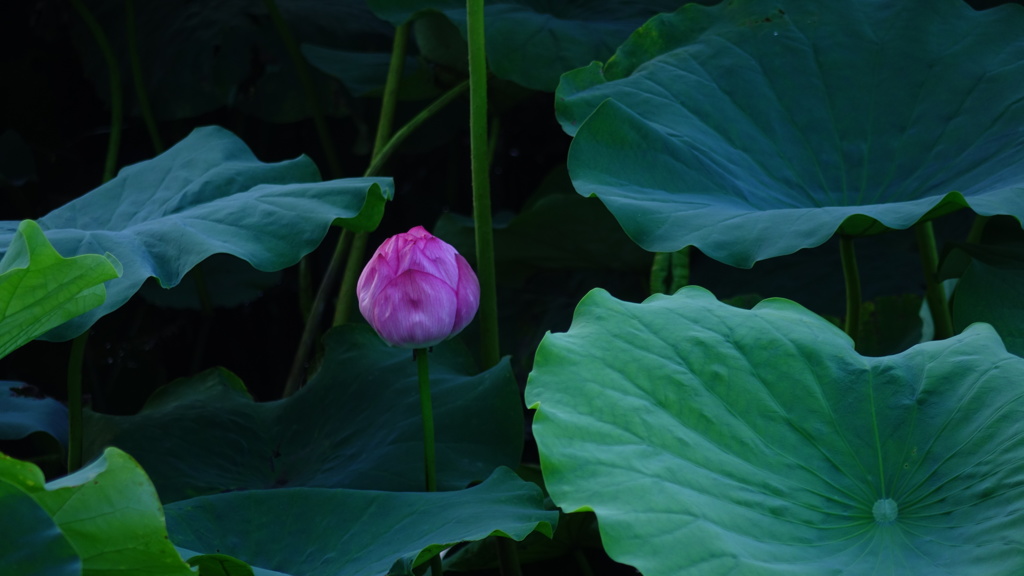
(365, 73)
(108, 512)
(40, 290)
(533, 42)
(23, 410)
(557, 229)
(714, 440)
(227, 282)
(321, 531)
(356, 424)
(994, 294)
(206, 195)
(30, 541)
(755, 128)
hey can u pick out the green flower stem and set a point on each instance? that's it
(429, 457)
(296, 376)
(346, 293)
(75, 431)
(140, 87)
(355, 246)
(385, 152)
(427, 410)
(670, 271)
(660, 271)
(934, 292)
(390, 97)
(306, 79)
(490, 352)
(116, 99)
(489, 349)
(383, 144)
(853, 294)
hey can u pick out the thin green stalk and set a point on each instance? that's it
(346, 294)
(934, 292)
(851, 275)
(347, 291)
(75, 431)
(354, 247)
(660, 270)
(140, 87)
(296, 376)
(429, 457)
(489, 350)
(480, 161)
(680, 269)
(116, 99)
(427, 410)
(385, 152)
(670, 271)
(390, 96)
(306, 80)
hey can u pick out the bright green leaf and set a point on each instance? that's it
(203, 434)
(108, 512)
(717, 440)
(321, 532)
(755, 128)
(40, 290)
(206, 195)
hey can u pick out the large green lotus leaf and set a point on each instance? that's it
(227, 282)
(755, 128)
(197, 58)
(40, 290)
(30, 541)
(108, 512)
(320, 531)
(714, 440)
(356, 424)
(206, 195)
(365, 73)
(557, 229)
(24, 410)
(991, 290)
(532, 42)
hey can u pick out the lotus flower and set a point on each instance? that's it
(417, 291)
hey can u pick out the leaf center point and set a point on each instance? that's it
(885, 511)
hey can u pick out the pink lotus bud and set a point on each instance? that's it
(417, 291)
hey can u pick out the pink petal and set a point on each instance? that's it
(413, 310)
(467, 295)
